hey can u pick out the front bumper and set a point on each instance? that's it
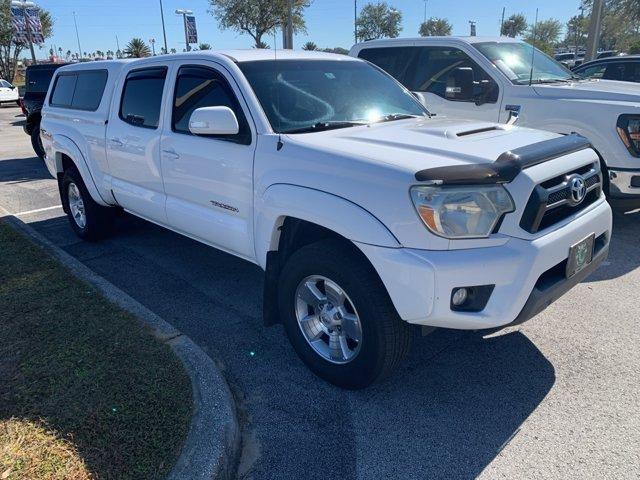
(420, 282)
(624, 183)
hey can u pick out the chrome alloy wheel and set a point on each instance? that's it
(76, 205)
(328, 319)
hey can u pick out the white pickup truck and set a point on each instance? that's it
(500, 79)
(366, 214)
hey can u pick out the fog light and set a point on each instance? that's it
(459, 296)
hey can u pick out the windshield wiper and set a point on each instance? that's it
(321, 126)
(395, 116)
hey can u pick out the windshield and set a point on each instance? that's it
(303, 95)
(514, 60)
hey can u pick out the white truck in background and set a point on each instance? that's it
(366, 214)
(492, 79)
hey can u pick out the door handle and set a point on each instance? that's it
(172, 154)
(116, 141)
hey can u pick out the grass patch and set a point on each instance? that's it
(85, 390)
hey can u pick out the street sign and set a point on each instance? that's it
(192, 31)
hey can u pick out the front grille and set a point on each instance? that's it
(551, 201)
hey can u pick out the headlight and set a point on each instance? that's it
(462, 211)
(628, 128)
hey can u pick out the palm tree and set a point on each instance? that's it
(310, 46)
(136, 48)
(173, 50)
(204, 46)
(68, 54)
(109, 53)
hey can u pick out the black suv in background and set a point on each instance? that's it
(37, 78)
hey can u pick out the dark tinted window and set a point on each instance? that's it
(62, 94)
(89, 90)
(142, 97)
(632, 72)
(198, 87)
(434, 69)
(396, 61)
(592, 71)
(429, 69)
(38, 80)
(79, 90)
(614, 71)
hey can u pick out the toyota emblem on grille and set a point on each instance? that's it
(577, 188)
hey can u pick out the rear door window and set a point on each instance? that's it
(38, 80)
(142, 97)
(593, 71)
(80, 90)
(614, 71)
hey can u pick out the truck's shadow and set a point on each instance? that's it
(23, 170)
(445, 414)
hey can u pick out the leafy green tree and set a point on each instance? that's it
(378, 20)
(577, 30)
(257, 18)
(10, 50)
(544, 35)
(435, 27)
(514, 26)
(136, 48)
(310, 46)
(204, 46)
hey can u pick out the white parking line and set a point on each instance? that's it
(38, 210)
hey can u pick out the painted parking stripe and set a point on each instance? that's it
(38, 210)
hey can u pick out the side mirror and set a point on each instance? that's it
(460, 84)
(213, 121)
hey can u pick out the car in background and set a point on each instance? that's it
(37, 82)
(501, 79)
(625, 69)
(8, 93)
(570, 59)
(607, 53)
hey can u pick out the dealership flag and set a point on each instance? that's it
(19, 18)
(192, 31)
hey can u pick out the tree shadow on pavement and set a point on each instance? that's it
(446, 413)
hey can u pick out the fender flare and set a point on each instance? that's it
(327, 210)
(64, 145)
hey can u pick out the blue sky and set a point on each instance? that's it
(329, 22)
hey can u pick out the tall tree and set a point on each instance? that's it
(9, 49)
(514, 26)
(619, 23)
(544, 35)
(378, 20)
(576, 33)
(257, 18)
(136, 48)
(435, 27)
(310, 46)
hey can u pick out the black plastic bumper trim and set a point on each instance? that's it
(542, 298)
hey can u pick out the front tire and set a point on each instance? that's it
(36, 142)
(339, 317)
(89, 220)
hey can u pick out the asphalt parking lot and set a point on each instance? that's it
(557, 397)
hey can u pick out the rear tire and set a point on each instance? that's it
(36, 142)
(324, 268)
(89, 220)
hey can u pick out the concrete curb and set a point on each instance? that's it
(212, 446)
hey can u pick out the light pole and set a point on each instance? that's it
(425, 11)
(77, 34)
(355, 20)
(164, 32)
(184, 14)
(152, 41)
(24, 5)
(594, 30)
